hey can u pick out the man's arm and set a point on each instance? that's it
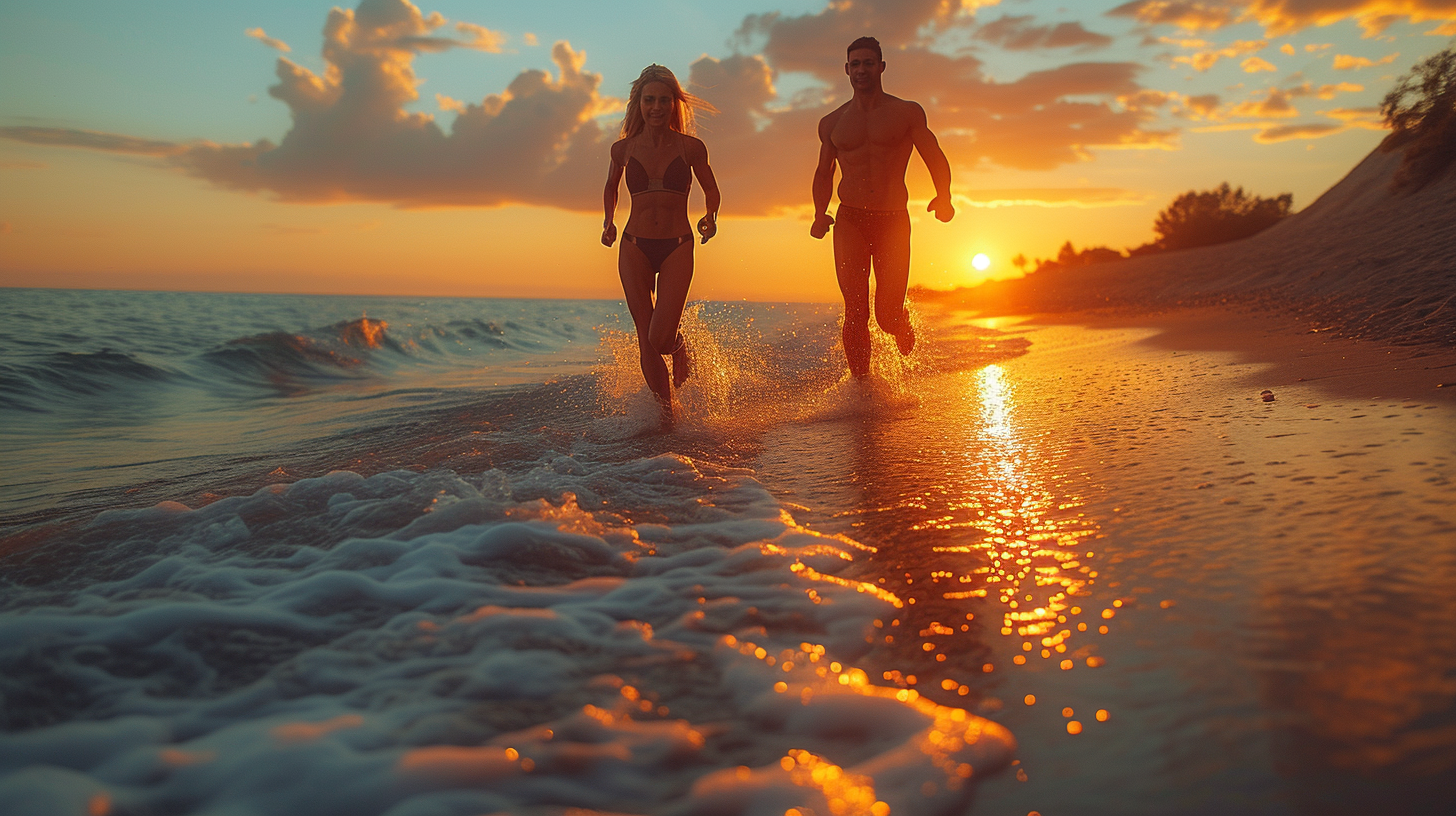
(935, 161)
(824, 179)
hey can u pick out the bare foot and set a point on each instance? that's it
(906, 339)
(682, 366)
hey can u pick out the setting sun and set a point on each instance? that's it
(981, 262)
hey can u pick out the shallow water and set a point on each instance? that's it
(1264, 586)
(515, 596)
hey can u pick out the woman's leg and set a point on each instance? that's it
(637, 285)
(672, 295)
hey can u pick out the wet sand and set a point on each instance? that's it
(1180, 597)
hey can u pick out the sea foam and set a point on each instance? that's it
(430, 643)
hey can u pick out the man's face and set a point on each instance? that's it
(863, 69)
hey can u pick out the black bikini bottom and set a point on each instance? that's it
(657, 249)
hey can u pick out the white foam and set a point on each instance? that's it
(505, 650)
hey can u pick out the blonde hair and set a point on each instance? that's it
(683, 103)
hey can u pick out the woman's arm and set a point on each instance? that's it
(609, 195)
(708, 225)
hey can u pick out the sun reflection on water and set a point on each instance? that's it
(1031, 537)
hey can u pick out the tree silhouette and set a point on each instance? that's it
(1215, 216)
(1421, 113)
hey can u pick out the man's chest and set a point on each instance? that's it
(859, 131)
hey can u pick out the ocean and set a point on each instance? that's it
(268, 554)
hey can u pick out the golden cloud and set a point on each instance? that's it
(1273, 105)
(449, 104)
(1280, 17)
(1189, 16)
(1204, 60)
(1253, 65)
(1345, 62)
(1020, 33)
(1329, 91)
(259, 35)
(482, 38)
(540, 141)
(1028, 123)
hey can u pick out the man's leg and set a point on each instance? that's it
(892, 277)
(852, 266)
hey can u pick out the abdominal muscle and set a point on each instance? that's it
(872, 185)
(659, 215)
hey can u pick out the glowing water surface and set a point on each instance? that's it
(1179, 597)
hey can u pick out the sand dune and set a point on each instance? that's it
(1362, 260)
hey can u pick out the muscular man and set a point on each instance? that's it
(870, 137)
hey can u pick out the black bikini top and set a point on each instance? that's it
(677, 178)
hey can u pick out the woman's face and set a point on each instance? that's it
(657, 104)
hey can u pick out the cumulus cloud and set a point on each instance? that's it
(1280, 17)
(1287, 49)
(1041, 120)
(1204, 60)
(1345, 62)
(262, 37)
(1190, 16)
(535, 142)
(1329, 91)
(481, 38)
(542, 140)
(1253, 65)
(1020, 33)
(1374, 16)
(1274, 104)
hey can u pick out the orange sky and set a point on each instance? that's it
(434, 151)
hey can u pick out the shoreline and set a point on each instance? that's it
(1292, 352)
